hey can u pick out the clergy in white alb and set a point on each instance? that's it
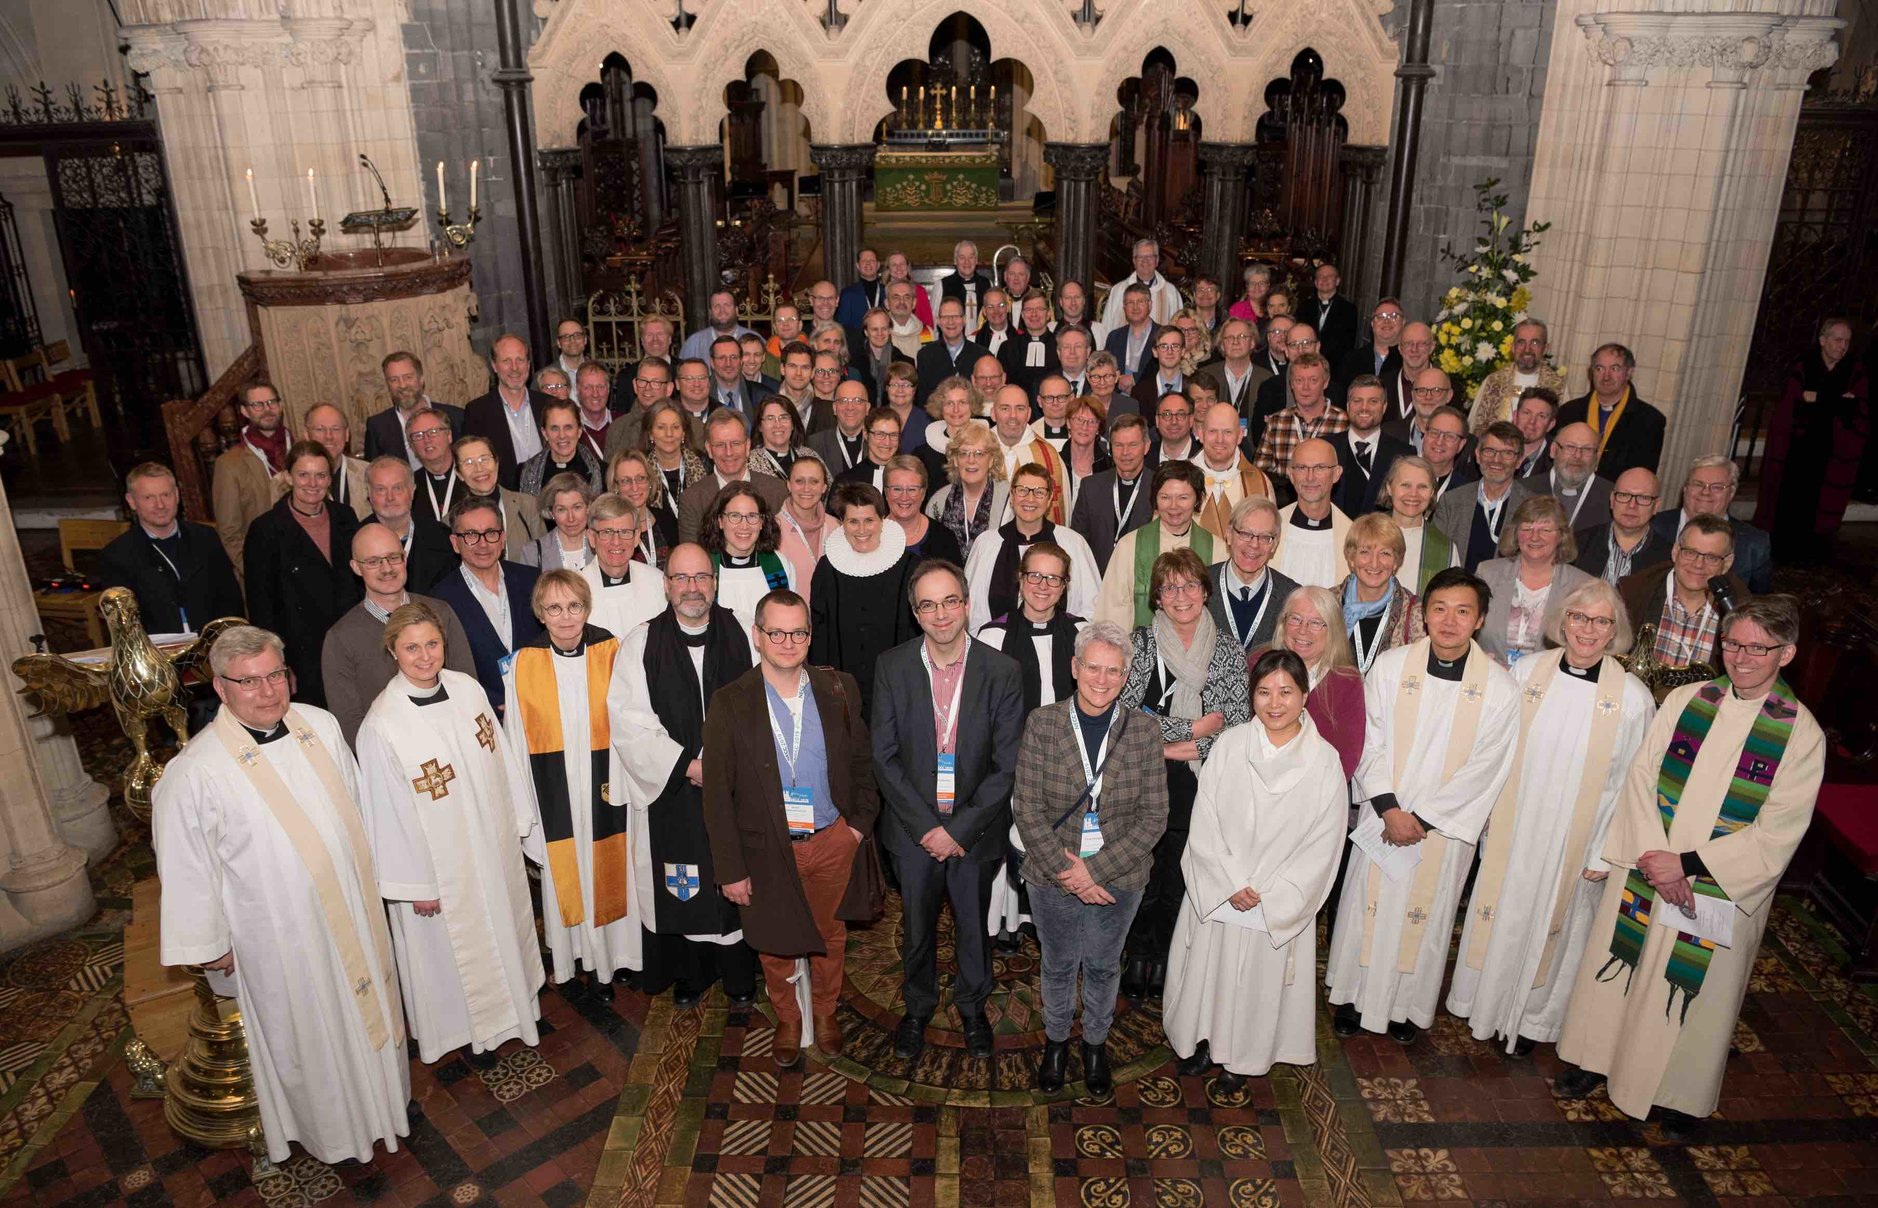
(1268, 825)
(1582, 718)
(1716, 803)
(663, 680)
(448, 806)
(991, 574)
(557, 726)
(1310, 551)
(1440, 723)
(626, 591)
(268, 885)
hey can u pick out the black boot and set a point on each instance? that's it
(1135, 978)
(1095, 1069)
(1404, 1031)
(1346, 1022)
(1197, 1065)
(1157, 978)
(1054, 1070)
(1575, 1083)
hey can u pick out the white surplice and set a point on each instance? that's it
(1457, 808)
(1500, 997)
(602, 950)
(234, 881)
(740, 587)
(447, 806)
(618, 608)
(1271, 819)
(1079, 598)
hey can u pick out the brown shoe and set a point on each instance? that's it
(787, 1048)
(828, 1035)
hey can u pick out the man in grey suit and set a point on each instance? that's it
(727, 440)
(1708, 491)
(1115, 502)
(948, 715)
(1248, 595)
(1473, 514)
(843, 444)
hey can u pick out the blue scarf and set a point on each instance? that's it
(1355, 610)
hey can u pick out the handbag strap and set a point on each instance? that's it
(1106, 756)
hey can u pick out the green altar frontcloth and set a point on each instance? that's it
(936, 180)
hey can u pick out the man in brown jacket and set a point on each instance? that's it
(788, 797)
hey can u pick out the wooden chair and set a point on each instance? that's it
(87, 537)
(78, 388)
(79, 537)
(31, 397)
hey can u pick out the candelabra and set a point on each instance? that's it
(295, 251)
(458, 234)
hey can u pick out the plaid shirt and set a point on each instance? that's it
(1684, 637)
(1288, 429)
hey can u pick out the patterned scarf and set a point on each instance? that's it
(1747, 792)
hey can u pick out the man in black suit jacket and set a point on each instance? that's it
(729, 388)
(1629, 430)
(1115, 502)
(1330, 313)
(1709, 490)
(476, 535)
(404, 381)
(1377, 355)
(1365, 451)
(945, 802)
(510, 415)
(178, 571)
(952, 354)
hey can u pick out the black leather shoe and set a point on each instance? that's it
(1575, 1083)
(1197, 1065)
(977, 1031)
(1135, 978)
(741, 1001)
(1157, 978)
(1679, 1128)
(1346, 1022)
(1523, 1046)
(685, 996)
(1054, 1069)
(910, 1038)
(572, 990)
(1095, 1070)
(1403, 1031)
(485, 1060)
(1228, 1085)
(598, 990)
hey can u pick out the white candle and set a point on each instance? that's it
(312, 196)
(254, 199)
(474, 164)
(442, 203)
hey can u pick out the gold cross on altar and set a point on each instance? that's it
(435, 780)
(485, 732)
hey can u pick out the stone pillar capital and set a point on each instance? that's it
(838, 159)
(695, 163)
(560, 163)
(1227, 159)
(1077, 161)
(1732, 45)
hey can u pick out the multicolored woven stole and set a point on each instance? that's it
(774, 574)
(1747, 792)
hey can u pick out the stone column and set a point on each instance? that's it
(843, 166)
(560, 170)
(1081, 168)
(1661, 158)
(44, 889)
(695, 172)
(1362, 168)
(1223, 167)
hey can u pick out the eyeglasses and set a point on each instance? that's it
(479, 536)
(1601, 624)
(1388, 316)
(248, 683)
(573, 608)
(972, 454)
(700, 579)
(1538, 530)
(694, 377)
(429, 432)
(1255, 538)
(1489, 453)
(630, 480)
(1580, 450)
(1707, 488)
(653, 381)
(572, 335)
(1037, 578)
(1171, 346)
(1183, 587)
(1030, 492)
(262, 404)
(1053, 398)
(1303, 468)
(906, 490)
(1298, 621)
(785, 637)
(381, 563)
(1173, 413)
(1632, 497)
(827, 372)
(1429, 391)
(555, 388)
(1699, 558)
(926, 608)
(614, 534)
(1103, 375)
(1751, 649)
(481, 459)
(742, 517)
(1434, 434)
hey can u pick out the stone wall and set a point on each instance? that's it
(450, 58)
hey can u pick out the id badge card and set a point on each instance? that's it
(1091, 834)
(799, 808)
(947, 782)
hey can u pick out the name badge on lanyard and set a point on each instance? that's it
(798, 800)
(182, 613)
(945, 780)
(1091, 821)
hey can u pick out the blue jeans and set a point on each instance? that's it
(1076, 936)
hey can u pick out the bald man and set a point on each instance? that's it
(1311, 550)
(1573, 478)
(327, 424)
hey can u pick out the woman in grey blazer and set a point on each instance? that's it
(976, 498)
(1530, 580)
(564, 501)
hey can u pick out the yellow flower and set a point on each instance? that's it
(1506, 346)
(1498, 326)
(1522, 298)
(1467, 324)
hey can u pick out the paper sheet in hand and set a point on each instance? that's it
(1397, 863)
(1251, 920)
(1714, 919)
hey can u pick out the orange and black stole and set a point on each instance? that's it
(540, 700)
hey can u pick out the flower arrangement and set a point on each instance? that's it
(1474, 330)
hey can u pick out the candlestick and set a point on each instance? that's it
(443, 203)
(312, 195)
(254, 199)
(295, 250)
(474, 164)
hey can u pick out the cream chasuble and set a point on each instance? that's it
(1270, 819)
(1444, 749)
(447, 808)
(1654, 1055)
(1531, 908)
(283, 877)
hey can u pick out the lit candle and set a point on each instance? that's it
(442, 204)
(474, 164)
(254, 199)
(903, 96)
(972, 99)
(922, 98)
(994, 102)
(312, 196)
